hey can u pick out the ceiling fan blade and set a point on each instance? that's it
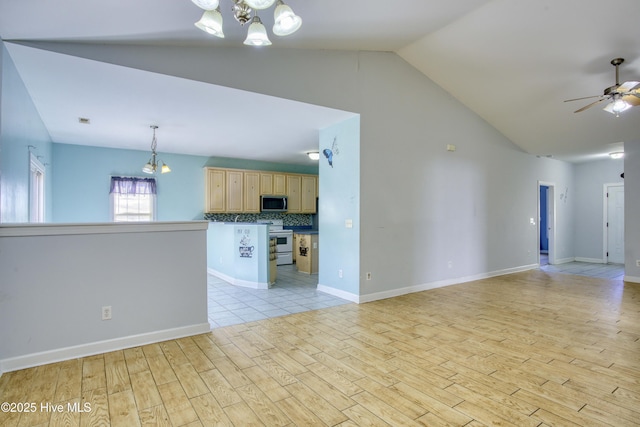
(584, 97)
(590, 105)
(632, 99)
(628, 86)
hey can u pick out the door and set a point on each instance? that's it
(544, 218)
(615, 224)
(546, 221)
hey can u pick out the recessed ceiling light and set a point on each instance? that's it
(617, 155)
(84, 120)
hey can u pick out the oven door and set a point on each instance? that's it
(284, 241)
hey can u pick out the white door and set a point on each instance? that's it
(615, 224)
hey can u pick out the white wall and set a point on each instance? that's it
(631, 209)
(428, 217)
(589, 218)
(56, 279)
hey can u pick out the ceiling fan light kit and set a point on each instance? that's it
(621, 97)
(286, 22)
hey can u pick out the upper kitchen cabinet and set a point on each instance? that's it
(252, 187)
(234, 190)
(294, 201)
(239, 190)
(302, 193)
(273, 184)
(215, 185)
(308, 193)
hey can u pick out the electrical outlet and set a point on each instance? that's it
(340, 273)
(106, 312)
(450, 264)
(638, 263)
(369, 275)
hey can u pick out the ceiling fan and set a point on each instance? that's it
(621, 96)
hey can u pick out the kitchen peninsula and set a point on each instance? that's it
(238, 252)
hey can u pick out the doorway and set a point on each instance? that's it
(614, 223)
(546, 223)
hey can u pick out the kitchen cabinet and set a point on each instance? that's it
(266, 183)
(238, 190)
(234, 190)
(251, 192)
(216, 190)
(273, 184)
(308, 193)
(294, 185)
(279, 184)
(307, 253)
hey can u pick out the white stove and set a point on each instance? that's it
(284, 240)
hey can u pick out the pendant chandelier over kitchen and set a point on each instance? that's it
(153, 163)
(285, 21)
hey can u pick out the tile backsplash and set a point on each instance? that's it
(290, 220)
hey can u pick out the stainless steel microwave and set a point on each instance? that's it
(273, 203)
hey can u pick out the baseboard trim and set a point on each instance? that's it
(338, 293)
(442, 283)
(564, 260)
(591, 260)
(83, 350)
(238, 282)
(632, 279)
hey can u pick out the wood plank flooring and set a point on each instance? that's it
(527, 349)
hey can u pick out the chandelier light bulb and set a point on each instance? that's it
(211, 23)
(259, 4)
(206, 4)
(285, 21)
(257, 34)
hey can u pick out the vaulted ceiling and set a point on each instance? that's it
(513, 62)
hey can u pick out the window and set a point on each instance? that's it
(36, 189)
(133, 199)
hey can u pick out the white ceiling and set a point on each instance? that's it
(513, 62)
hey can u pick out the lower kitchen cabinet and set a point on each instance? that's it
(307, 253)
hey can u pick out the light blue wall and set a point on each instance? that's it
(82, 174)
(226, 241)
(20, 126)
(224, 162)
(339, 200)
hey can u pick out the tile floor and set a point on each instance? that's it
(293, 292)
(604, 271)
(296, 292)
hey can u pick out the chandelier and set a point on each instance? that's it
(152, 164)
(285, 21)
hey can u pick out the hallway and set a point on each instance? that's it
(603, 271)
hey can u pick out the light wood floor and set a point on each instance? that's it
(528, 349)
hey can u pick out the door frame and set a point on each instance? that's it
(605, 218)
(551, 220)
